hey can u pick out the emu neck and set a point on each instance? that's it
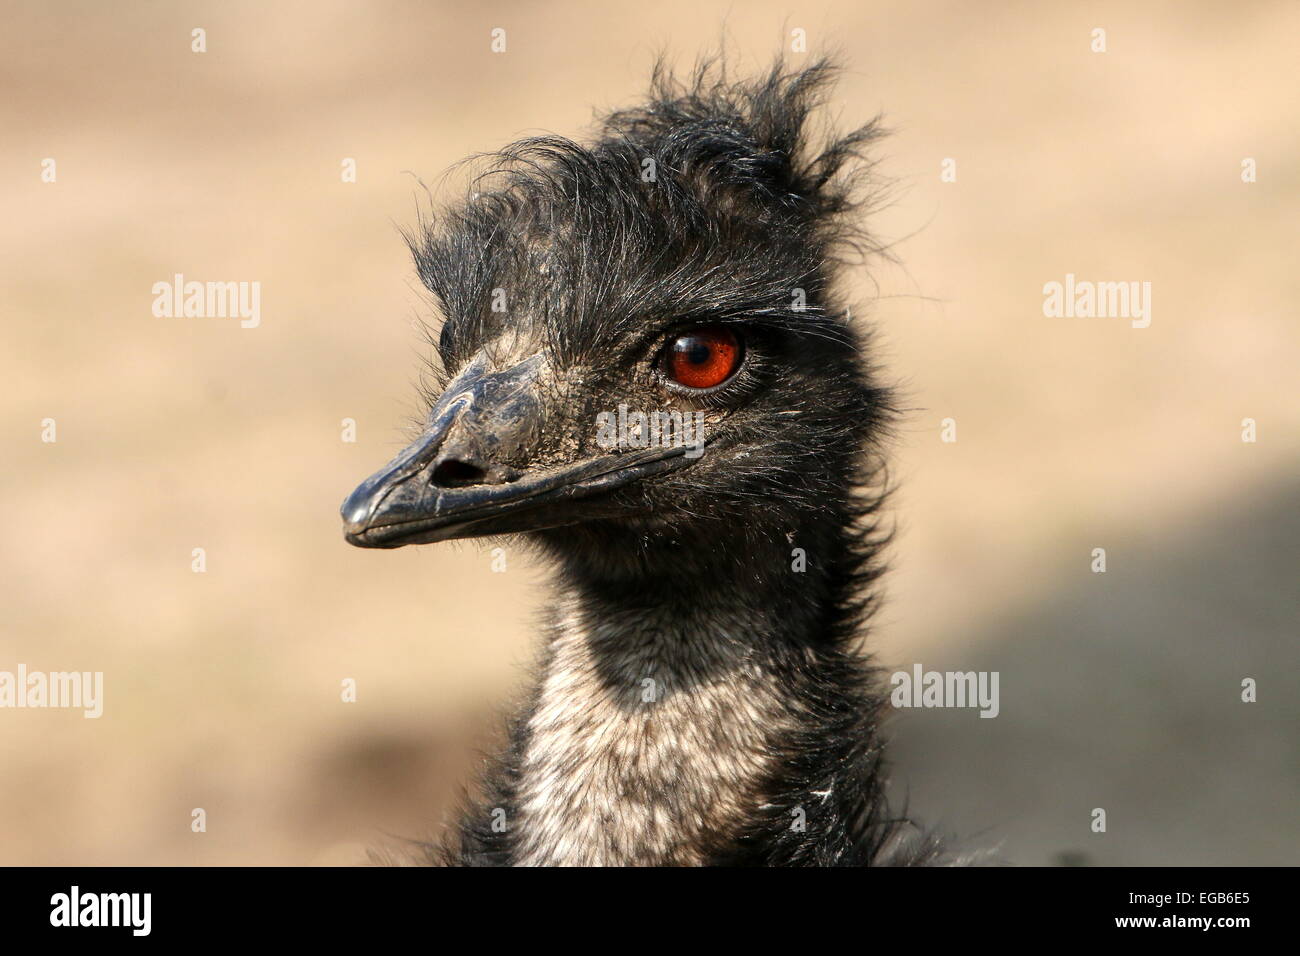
(662, 700)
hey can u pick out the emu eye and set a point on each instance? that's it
(703, 358)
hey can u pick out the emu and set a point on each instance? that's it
(701, 698)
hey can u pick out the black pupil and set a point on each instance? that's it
(697, 351)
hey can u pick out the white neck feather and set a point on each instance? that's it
(648, 738)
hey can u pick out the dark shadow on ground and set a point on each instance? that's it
(1123, 691)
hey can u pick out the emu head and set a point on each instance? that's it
(674, 275)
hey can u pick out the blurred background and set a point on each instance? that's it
(222, 689)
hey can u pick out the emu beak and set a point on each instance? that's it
(453, 481)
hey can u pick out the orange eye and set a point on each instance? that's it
(703, 358)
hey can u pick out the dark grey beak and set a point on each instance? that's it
(462, 477)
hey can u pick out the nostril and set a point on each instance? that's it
(454, 472)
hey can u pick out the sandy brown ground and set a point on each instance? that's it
(1118, 690)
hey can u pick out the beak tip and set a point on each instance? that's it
(355, 513)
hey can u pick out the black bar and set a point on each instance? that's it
(439, 906)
